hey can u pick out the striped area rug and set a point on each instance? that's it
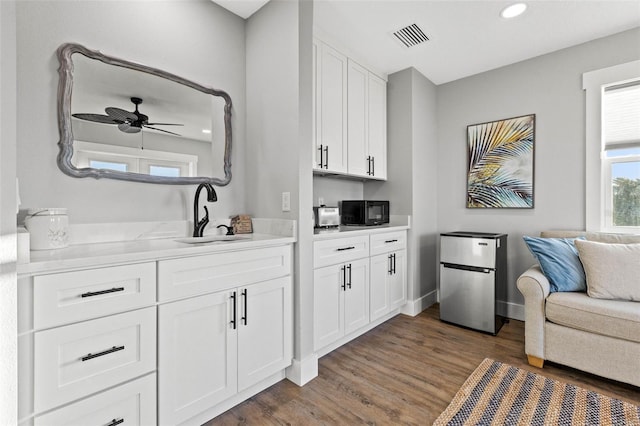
(500, 394)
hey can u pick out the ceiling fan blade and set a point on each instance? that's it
(160, 130)
(98, 118)
(163, 124)
(128, 128)
(120, 114)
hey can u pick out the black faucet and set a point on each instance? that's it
(199, 225)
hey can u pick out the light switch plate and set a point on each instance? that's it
(286, 201)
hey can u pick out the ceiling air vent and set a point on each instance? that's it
(411, 35)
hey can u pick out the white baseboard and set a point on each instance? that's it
(510, 310)
(302, 372)
(414, 307)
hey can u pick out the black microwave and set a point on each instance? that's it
(365, 212)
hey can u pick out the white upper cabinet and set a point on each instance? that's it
(367, 123)
(350, 127)
(377, 124)
(331, 110)
(358, 125)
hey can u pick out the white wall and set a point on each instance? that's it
(272, 109)
(279, 151)
(549, 86)
(411, 187)
(333, 190)
(195, 39)
(8, 289)
(425, 175)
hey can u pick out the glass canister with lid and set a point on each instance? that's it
(48, 228)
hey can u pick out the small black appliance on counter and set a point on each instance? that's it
(365, 212)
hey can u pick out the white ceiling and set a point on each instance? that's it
(466, 37)
(242, 8)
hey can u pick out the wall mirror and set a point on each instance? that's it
(122, 120)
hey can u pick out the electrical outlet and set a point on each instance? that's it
(286, 201)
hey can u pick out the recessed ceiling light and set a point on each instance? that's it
(207, 131)
(513, 10)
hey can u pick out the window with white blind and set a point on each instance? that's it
(613, 148)
(621, 159)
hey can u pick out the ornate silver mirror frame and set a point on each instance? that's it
(65, 87)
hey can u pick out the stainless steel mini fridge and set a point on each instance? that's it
(473, 272)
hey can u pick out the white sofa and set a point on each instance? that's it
(594, 335)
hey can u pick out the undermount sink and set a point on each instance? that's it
(212, 238)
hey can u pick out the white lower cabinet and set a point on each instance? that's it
(198, 355)
(388, 283)
(388, 272)
(167, 341)
(265, 330)
(133, 403)
(213, 346)
(341, 300)
(351, 293)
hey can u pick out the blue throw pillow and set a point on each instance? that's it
(559, 261)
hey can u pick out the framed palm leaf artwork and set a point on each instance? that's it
(500, 163)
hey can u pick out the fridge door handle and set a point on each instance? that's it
(467, 268)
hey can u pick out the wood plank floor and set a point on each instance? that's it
(405, 371)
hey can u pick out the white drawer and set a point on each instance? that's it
(79, 359)
(80, 295)
(180, 278)
(388, 242)
(133, 403)
(338, 250)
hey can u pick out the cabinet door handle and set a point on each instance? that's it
(349, 282)
(233, 304)
(343, 286)
(244, 295)
(326, 157)
(115, 422)
(97, 293)
(390, 241)
(108, 351)
(394, 263)
(373, 166)
(345, 248)
(390, 267)
(368, 164)
(321, 162)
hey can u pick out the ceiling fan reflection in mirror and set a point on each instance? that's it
(127, 121)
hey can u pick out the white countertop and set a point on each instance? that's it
(84, 254)
(103, 254)
(397, 223)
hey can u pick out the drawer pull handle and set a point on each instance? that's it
(108, 351)
(390, 241)
(115, 422)
(97, 293)
(345, 248)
